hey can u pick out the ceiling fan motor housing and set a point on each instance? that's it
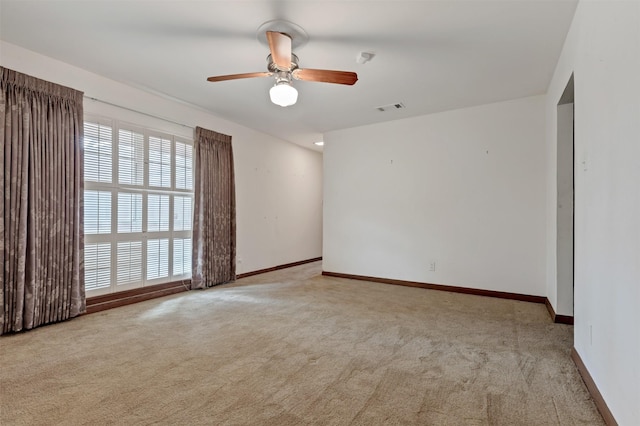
(272, 67)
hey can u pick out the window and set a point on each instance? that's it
(138, 205)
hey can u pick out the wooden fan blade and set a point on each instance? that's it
(238, 76)
(326, 76)
(280, 46)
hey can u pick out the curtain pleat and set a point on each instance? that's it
(41, 247)
(214, 232)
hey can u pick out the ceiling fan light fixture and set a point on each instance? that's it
(283, 94)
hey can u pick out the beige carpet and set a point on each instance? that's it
(295, 348)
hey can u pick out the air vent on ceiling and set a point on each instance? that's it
(390, 107)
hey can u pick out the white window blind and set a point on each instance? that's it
(129, 262)
(159, 162)
(158, 213)
(184, 166)
(131, 157)
(138, 203)
(98, 156)
(97, 212)
(129, 212)
(157, 258)
(181, 256)
(182, 213)
(97, 265)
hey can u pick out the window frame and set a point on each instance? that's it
(115, 187)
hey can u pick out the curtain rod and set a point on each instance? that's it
(138, 112)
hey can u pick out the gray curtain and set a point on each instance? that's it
(214, 225)
(41, 238)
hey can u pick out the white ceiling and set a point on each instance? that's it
(430, 55)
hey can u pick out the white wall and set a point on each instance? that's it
(278, 184)
(464, 188)
(603, 51)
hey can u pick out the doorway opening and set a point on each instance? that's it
(565, 213)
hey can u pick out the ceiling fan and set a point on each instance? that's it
(283, 64)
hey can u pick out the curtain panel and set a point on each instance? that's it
(41, 179)
(214, 225)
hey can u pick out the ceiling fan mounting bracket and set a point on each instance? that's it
(297, 34)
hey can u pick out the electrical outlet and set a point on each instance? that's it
(432, 266)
